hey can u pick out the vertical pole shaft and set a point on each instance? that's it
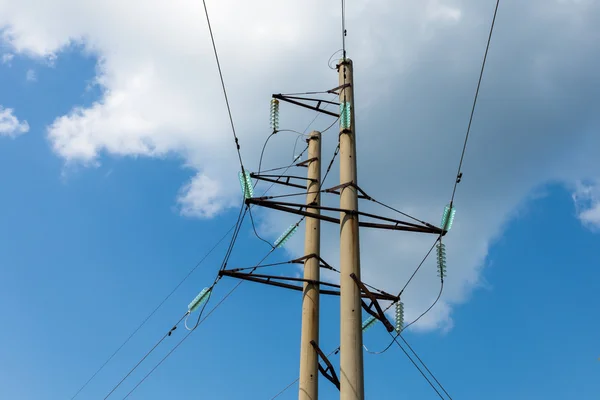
(351, 351)
(309, 372)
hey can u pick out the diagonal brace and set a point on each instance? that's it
(378, 313)
(329, 372)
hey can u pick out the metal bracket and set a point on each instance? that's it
(306, 162)
(282, 179)
(335, 89)
(294, 100)
(378, 313)
(338, 189)
(329, 372)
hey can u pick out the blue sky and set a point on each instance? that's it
(126, 176)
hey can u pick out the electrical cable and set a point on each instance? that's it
(143, 358)
(263, 152)
(238, 224)
(293, 164)
(462, 156)
(406, 327)
(234, 238)
(199, 321)
(425, 365)
(416, 366)
(254, 229)
(344, 28)
(419, 266)
(223, 266)
(398, 211)
(154, 311)
(332, 57)
(212, 38)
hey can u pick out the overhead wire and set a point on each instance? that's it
(214, 46)
(459, 174)
(462, 156)
(238, 223)
(425, 365)
(254, 229)
(406, 327)
(199, 321)
(190, 272)
(417, 367)
(142, 359)
(458, 179)
(234, 238)
(262, 153)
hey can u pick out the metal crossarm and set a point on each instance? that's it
(296, 101)
(300, 209)
(281, 179)
(279, 281)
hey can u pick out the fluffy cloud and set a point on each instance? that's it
(416, 67)
(10, 125)
(587, 203)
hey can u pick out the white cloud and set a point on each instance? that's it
(10, 125)
(200, 197)
(7, 58)
(30, 76)
(417, 63)
(587, 203)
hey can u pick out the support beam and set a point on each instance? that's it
(351, 348)
(309, 359)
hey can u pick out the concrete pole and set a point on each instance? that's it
(309, 372)
(351, 348)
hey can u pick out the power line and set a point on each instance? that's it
(262, 153)
(224, 264)
(254, 229)
(413, 322)
(344, 29)
(199, 321)
(143, 358)
(154, 311)
(428, 309)
(237, 228)
(462, 156)
(212, 38)
(418, 267)
(425, 365)
(417, 367)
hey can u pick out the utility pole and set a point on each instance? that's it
(309, 360)
(351, 346)
(355, 295)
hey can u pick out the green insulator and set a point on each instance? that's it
(246, 184)
(399, 316)
(199, 300)
(441, 260)
(285, 236)
(448, 217)
(369, 322)
(275, 114)
(345, 115)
